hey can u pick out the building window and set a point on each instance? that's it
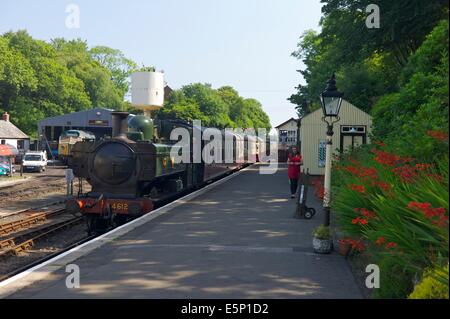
(3, 142)
(20, 144)
(283, 136)
(322, 152)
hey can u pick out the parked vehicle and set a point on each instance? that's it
(4, 171)
(4, 166)
(68, 139)
(35, 161)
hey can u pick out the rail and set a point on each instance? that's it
(33, 217)
(22, 242)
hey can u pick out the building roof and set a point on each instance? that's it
(345, 103)
(291, 119)
(10, 131)
(78, 119)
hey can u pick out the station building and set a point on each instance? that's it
(353, 129)
(12, 135)
(287, 137)
(97, 120)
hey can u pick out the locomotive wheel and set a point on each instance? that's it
(96, 225)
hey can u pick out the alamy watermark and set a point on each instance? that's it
(373, 279)
(73, 279)
(373, 19)
(73, 18)
(225, 147)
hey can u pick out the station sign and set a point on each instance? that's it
(98, 123)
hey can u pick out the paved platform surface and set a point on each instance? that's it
(238, 240)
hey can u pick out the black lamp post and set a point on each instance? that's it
(331, 100)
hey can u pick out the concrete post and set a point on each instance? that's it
(10, 167)
(327, 181)
(69, 181)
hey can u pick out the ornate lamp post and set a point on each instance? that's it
(331, 100)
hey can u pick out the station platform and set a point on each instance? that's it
(236, 239)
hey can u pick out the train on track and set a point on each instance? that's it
(134, 169)
(68, 139)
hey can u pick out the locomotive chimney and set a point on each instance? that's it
(119, 124)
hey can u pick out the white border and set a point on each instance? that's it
(43, 270)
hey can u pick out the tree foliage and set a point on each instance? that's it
(39, 79)
(421, 105)
(398, 73)
(118, 65)
(367, 61)
(218, 108)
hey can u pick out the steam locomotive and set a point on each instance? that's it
(133, 170)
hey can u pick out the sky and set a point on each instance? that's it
(243, 43)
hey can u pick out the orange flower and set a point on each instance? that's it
(358, 188)
(422, 167)
(359, 220)
(391, 245)
(438, 135)
(367, 213)
(380, 241)
(386, 158)
(407, 173)
(435, 215)
(379, 143)
(384, 186)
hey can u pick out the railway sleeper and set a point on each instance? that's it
(7, 243)
(16, 249)
(22, 247)
(25, 223)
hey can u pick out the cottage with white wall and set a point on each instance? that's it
(287, 133)
(11, 135)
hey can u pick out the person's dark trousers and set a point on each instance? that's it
(294, 184)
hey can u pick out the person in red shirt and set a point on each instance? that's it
(294, 162)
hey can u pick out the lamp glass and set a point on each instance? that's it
(331, 105)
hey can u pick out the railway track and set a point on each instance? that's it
(26, 218)
(47, 257)
(45, 178)
(16, 244)
(33, 236)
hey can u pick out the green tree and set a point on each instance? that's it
(367, 61)
(421, 104)
(41, 85)
(119, 66)
(181, 107)
(16, 75)
(218, 108)
(74, 54)
(210, 104)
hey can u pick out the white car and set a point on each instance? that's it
(35, 161)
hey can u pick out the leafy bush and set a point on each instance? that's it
(397, 206)
(421, 103)
(322, 232)
(396, 282)
(434, 285)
